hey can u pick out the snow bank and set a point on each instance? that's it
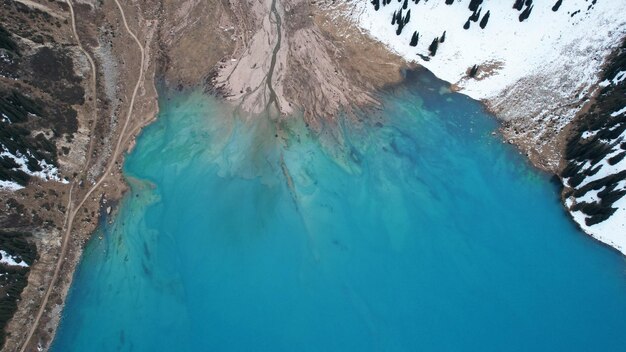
(48, 172)
(10, 186)
(611, 231)
(11, 260)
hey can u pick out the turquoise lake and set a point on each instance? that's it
(413, 230)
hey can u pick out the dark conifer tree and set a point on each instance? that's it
(393, 18)
(407, 17)
(476, 15)
(556, 6)
(518, 5)
(415, 39)
(473, 71)
(467, 24)
(474, 4)
(376, 4)
(399, 22)
(443, 37)
(405, 4)
(525, 14)
(483, 22)
(400, 28)
(434, 46)
(449, 2)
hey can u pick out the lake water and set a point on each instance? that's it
(414, 230)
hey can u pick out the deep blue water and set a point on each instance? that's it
(414, 231)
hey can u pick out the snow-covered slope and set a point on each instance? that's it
(595, 176)
(535, 64)
(577, 36)
(613, 230)
(534, 74)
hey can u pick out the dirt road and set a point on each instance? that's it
(73, 211)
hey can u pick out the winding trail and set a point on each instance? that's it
(94, 86)
(74, 211)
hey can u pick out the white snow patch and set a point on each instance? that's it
(590, 197)
(11, 260)
(607, 169)
(588, 134)
(619, 112)
(48, 172)
(611, 231)
(10, 185)
(619, 77)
